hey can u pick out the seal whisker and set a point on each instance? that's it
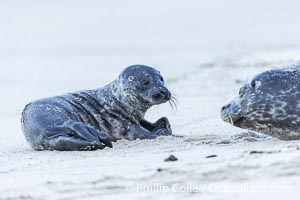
(230, 119)
(174, 101)
(173, 104)
(174, 98)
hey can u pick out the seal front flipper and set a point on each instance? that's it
(139, 132)
(162, 132)
(155, 134)
(162, 123)
(88, 133)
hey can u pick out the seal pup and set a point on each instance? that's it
(269, 103)
(92, 119)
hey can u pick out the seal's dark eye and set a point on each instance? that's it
(146, 82)
(253, 84)
(162, 79)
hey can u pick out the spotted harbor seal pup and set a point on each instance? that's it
(269, 103)
(92, 119)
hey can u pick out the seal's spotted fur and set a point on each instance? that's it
(91, 119)
(270, 104)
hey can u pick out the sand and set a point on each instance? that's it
(206, 51)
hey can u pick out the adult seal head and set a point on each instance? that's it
(269, 103)
(92, 119)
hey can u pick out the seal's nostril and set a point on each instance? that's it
(162, 92)
(165, 92)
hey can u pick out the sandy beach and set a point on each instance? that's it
(206, 51)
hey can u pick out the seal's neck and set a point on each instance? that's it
(125, 102)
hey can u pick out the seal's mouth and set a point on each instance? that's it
(152, 102)
(171, 100)
(231, 113)
(159, 102)
(234, 120)
(238, 121)
(228, 116)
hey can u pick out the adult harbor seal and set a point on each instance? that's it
(92, 119)
(269, 104)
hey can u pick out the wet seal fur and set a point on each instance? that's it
(269, 103)
(92, 119)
